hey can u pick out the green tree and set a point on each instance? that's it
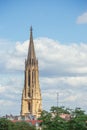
(79, 120)
(6, 124)
(9, 125)
(23, 126)
(53, 121)
(59, 110)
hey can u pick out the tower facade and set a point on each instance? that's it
(31, 95)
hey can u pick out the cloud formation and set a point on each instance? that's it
(62, 67)
(66, 59)
(82, 19)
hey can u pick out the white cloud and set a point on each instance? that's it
(64, 81)
(63, 69)
(2, 89)
(66, 59)
(21, 48)
(51, 54)
(82, 19)
(6, 103)
(8, 107)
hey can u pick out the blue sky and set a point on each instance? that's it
(60, 37)
(54, 19)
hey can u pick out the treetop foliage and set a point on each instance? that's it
(6, 124)
(54, 119)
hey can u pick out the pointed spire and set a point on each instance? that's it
(31, 36)
(31, 50)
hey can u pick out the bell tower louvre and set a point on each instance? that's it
(31, 96)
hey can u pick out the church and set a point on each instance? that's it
(31, 102)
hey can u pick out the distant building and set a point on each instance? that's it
(65, 116)
(31, 96)
(29, 119)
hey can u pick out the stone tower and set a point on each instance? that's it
(31, 96)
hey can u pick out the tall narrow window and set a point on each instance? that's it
(32, 61)
(33, 76)
(28, 78)
(29, 106)
(25, 78)
(28, 94)
(32, 92)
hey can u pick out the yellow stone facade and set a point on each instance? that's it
(31, 95)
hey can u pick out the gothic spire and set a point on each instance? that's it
(31, 50)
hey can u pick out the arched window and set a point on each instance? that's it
(28, 94)
(33, 76)
(32, 92)
(29, 78)
(29, 106)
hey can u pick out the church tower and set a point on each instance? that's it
(31, 96)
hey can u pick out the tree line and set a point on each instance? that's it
(52, 120)
(6, 124)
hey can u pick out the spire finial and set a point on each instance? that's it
(31, 36)
(31, 29)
